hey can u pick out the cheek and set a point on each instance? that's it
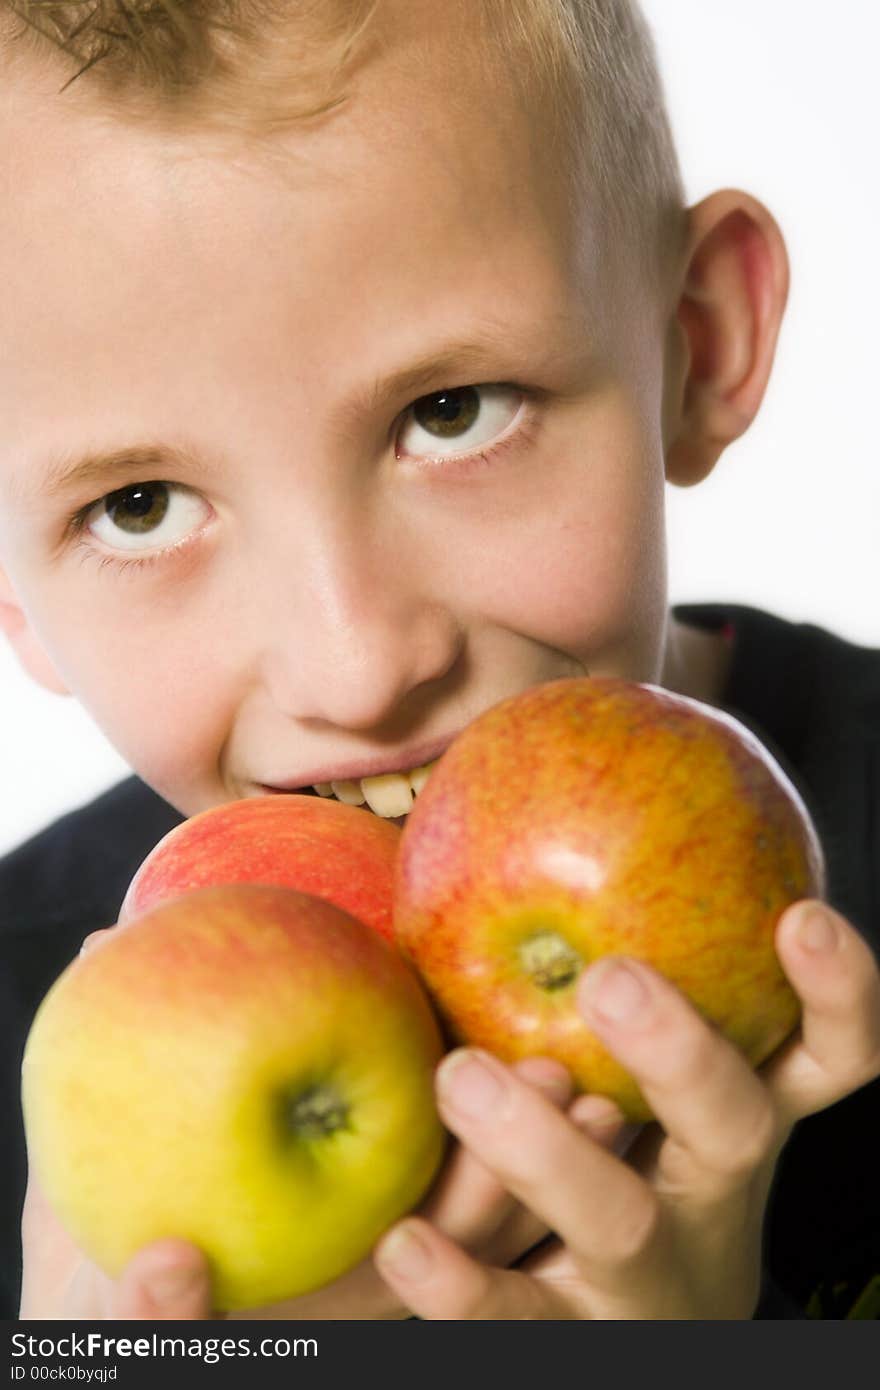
(587, 575)
(164, 697)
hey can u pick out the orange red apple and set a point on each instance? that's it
(341, 853)
(589, 816)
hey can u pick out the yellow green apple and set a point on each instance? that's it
(342, 853)
(246, 1067)
(590, 816)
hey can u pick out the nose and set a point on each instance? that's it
(358, 630)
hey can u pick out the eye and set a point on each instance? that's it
(458, 420)
(145, 516)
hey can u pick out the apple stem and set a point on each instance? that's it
(549, 960)
(315, 1113)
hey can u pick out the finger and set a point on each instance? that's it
(169, 1279)
(605, 1122)
(548, 1076)
(471, 1206)
(358, 1295)
(596, 1204)
(437, 1280)
(50, 1257)
(523, 1231)
(833, 971)
(720, 1121)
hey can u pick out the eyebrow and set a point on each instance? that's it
(149, 461)
(452, 364)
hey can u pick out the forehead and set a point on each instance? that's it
(441, 116)
(144, 263)
(433, 130)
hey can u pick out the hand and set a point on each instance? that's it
(675, 1231)
(170, 1279)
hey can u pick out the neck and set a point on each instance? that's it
(697, 662)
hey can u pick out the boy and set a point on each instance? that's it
(348, 350)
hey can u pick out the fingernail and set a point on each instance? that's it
(816, 931)
(468, 1084)
(616, 994)
(169, 1285)
(597, 1111)
(403, 1253)
(550, 1078)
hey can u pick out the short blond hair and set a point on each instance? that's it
(591, 64)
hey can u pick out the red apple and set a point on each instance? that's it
(593, 816)
(341, 853)
(246, 1067)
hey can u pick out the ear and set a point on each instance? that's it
(730, 311)
(24, 641)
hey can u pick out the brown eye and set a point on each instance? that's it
(138, 509)
(448, 413)
(458, 420)
(146, 516)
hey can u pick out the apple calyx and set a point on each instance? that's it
(550, 960)
(314, 1113)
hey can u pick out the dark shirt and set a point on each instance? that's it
(812, 698)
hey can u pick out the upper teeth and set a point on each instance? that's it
(390, 794)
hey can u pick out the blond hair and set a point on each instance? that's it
(590, 63)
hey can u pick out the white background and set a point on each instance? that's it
(778, 97)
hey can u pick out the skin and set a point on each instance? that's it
(344, 589)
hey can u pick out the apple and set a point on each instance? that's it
(342, 853)
(246, 1067)
(589, 816)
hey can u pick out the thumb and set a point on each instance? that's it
(169, 1279)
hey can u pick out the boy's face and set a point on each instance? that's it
(345, 558)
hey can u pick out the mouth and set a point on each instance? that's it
(390, 795)
(389, 792)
